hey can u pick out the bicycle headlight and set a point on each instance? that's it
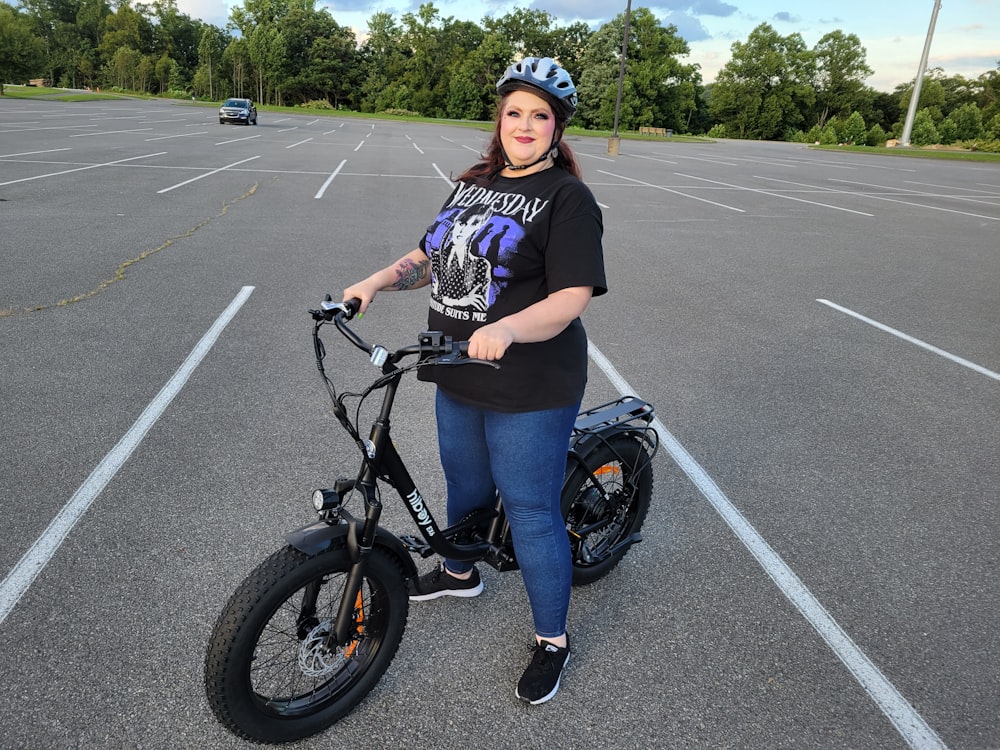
(325, 499)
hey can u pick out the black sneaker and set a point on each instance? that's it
(439, 582)
(540, 680)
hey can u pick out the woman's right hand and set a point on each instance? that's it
(364, 291)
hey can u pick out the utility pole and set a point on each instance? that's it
(614, 141)
(911, 111)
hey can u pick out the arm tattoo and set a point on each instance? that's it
(409, 273)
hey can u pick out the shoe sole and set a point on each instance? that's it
(461, 593)
(551, 695)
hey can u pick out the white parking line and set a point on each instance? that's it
(329, 180)
(81, 169)
(111, 132)
(918, 342)
(444, 177)
(34, 153)
(10, 129)
(207, 174)
(299, 143)
(653, 158)
(23, 574)
(908, 203)
(777, 195)
(179, 135)
(910, 724)
(675, 192)
(237, 140)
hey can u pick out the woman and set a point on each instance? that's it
(512, 259)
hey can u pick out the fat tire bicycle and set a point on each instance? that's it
(312, 629)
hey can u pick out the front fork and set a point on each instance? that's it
(345, 627)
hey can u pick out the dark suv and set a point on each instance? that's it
(238, 110)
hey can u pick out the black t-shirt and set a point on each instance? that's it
(497, 249)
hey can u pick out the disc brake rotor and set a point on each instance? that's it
(316, 659)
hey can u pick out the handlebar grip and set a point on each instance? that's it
(352, 306)
(348, 308)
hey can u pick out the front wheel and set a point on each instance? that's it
(605, 503)
(272, 673)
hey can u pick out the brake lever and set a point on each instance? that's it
(457, 358)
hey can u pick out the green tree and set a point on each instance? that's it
(988, 93)
(236, 62)
(164, 69)
(126, 27)
(434, 45)
(472, 94)
(179, 36)
(841, 70)
(321, 61)
(383, 60)
(21, 52)
(597, 84)
(876, 136)
(122, 70)
(924, 132)
(932, 96)
(880, 107)
(968, 121)
(947, 131)
(536, 33)
(854, 130)
(267, 50)
(992, 128)
(766, 88)
(209, 72)
(529, 32)
(659, 90)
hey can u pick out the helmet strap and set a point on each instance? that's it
(550, 153)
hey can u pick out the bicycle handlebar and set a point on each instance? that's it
(431, 344)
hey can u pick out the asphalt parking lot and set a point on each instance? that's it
(819, 333)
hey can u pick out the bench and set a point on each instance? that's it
(643, 130)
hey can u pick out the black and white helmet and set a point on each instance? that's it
(545, 74)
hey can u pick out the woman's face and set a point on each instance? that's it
(527, 127)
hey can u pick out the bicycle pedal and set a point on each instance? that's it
(415, 546)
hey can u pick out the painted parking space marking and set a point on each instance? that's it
(81, 169)
(670, 190)
(776, 195)
(910, 724)
(917, 342)
(31, 564)
(207, 174)
(330, 179)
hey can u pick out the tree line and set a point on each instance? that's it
(288, 52)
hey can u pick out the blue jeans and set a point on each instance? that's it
(523, 456)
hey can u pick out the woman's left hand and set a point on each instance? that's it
(491, 341)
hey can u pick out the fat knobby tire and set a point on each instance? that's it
(270, 675)
(622, 465)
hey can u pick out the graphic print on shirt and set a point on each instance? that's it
(471, 245)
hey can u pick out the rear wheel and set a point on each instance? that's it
(272, 672)
(604, 505)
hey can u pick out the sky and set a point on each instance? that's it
(966, 38)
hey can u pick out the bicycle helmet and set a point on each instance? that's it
(545, 74)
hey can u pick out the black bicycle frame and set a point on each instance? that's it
(594, 427)
(382, 461)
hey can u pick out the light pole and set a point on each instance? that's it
(911, 111)
(614, 141)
